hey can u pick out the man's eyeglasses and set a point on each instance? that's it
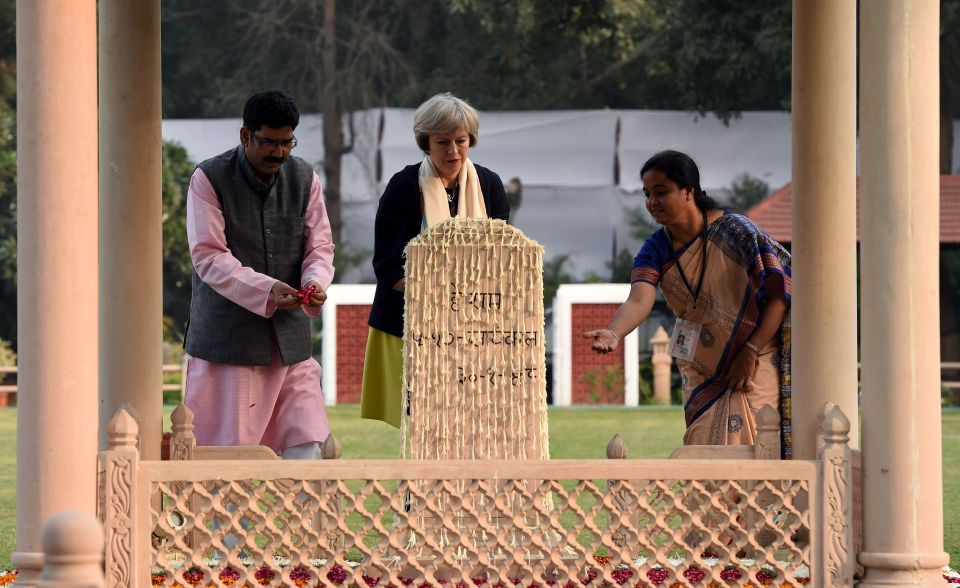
(272, 144)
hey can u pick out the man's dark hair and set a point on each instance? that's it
(272, 108)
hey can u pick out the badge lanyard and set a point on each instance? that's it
(686, 334)
(695, 294)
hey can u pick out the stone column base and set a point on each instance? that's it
(902, 569)
(29, 564)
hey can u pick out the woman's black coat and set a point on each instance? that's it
(399, 218)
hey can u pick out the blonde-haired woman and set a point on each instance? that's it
(444, 184)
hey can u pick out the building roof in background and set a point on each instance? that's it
(774, 213)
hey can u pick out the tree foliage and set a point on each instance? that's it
(555, 274)
(500, 54)
(621, 267)
(544, 54)
(747, 190)
(8, 174)
(177, 265)
(7, 355)
(723, 55)
(261, 45)
(949, 80)
(8, 188)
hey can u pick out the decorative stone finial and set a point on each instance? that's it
(133, 411)
(835, 426)
(73, 549)
(330, 448)
(767, 443)
(660, 336)
(617, 448)
(824, 410)
(72, 532)
(768, 418)
(181, 417)
(123, 429)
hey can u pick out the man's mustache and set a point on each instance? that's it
(273, 159)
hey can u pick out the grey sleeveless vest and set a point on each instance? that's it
(264, 230)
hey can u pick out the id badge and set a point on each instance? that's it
(683, 342)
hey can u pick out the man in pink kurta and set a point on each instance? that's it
(258, 230)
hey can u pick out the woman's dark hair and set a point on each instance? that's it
(272, 108)
(682, 169)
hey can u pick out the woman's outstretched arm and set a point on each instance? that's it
(628, 317)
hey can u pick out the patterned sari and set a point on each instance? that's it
(739, 258)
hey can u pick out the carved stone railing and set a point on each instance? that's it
(384, 520)
(842, 491)
(183, 443)
(464, 523)
(766, 445)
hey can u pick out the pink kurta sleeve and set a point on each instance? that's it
(213, 261)
(318, 244)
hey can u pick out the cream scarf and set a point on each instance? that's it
(435, 206)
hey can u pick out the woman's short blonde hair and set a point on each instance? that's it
(443, 113)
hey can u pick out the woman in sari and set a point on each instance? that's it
(728, 283)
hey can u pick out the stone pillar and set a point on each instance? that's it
(824, 307)
(131, 296)
(57, 268)
(661, 366)
(901, 321)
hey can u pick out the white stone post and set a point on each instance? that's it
(338, 295)
(661, 366)
(56, 268)
(131, 293)
(824, 306)
(899, 106)
(569, 295)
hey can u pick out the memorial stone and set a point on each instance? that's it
(474, 350)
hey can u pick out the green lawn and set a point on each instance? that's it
(951, 484)
(8, 484)
(650, 432)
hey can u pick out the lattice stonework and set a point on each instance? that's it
(490, 527)
(474, 346)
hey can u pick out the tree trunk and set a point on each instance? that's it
(332, 129)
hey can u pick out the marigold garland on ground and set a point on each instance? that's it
(7, 577)
(337, 575)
